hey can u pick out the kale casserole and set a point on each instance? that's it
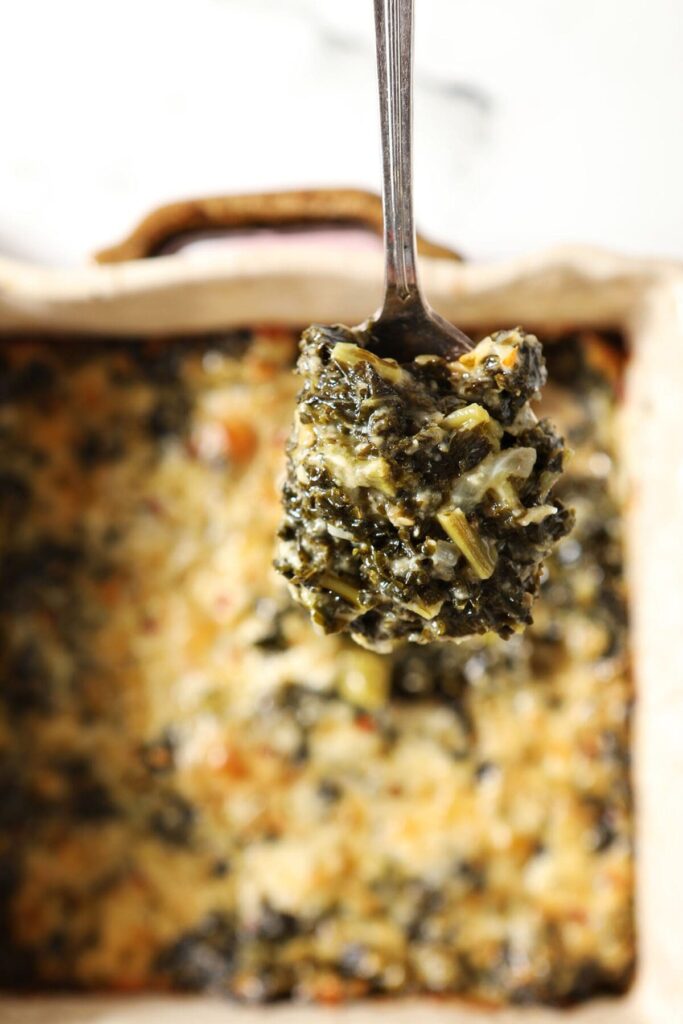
(417, 501)
(197, 791)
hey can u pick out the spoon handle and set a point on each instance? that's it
(394, 35)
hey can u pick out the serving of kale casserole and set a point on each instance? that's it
(197, 791)
(418, 501)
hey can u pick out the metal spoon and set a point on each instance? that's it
(405, 325)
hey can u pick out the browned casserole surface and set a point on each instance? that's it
(196, 791)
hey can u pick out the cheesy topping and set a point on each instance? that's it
(196, 791)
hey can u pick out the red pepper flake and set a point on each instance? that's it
(223, 602)
(329, 989)
(233, 764)
(365, 722)
(241, 440)
(159, 758)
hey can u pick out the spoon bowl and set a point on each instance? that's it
(414, 330)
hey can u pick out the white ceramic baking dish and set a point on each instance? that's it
(291, 278)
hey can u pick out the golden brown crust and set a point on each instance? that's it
(216, 797)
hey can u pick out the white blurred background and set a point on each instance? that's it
(537, 121)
